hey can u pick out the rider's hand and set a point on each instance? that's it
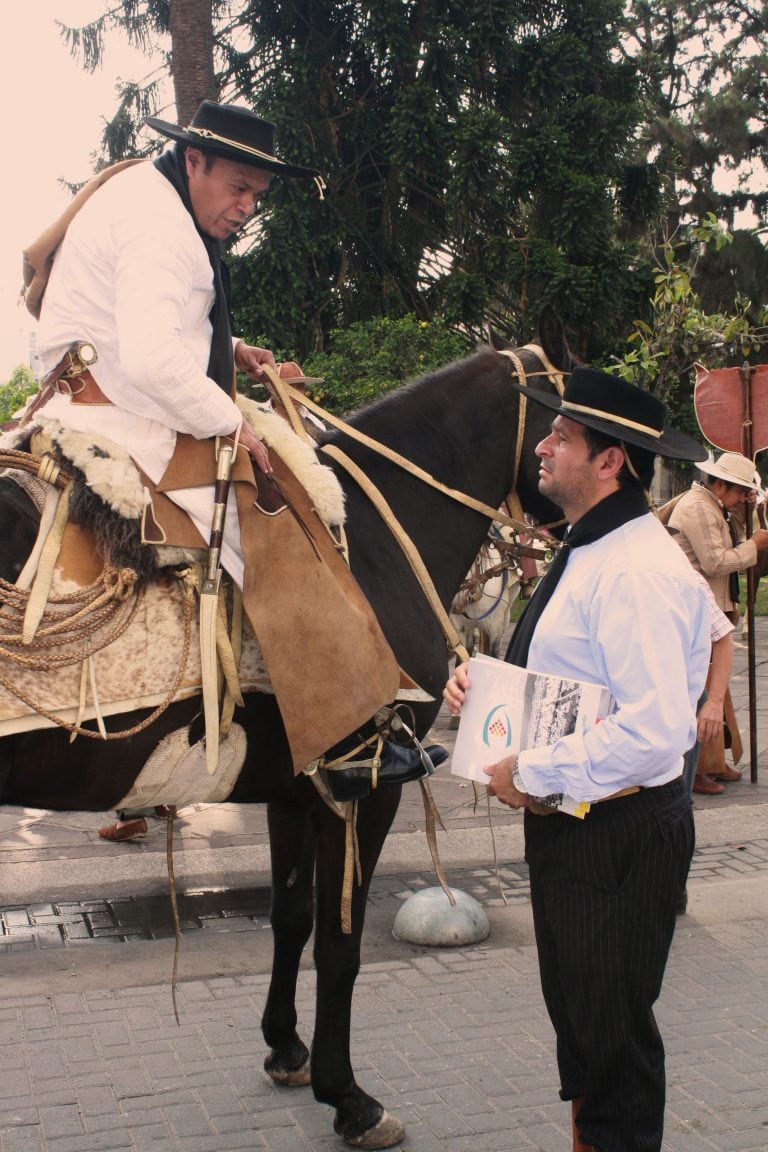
(256, 448)
(249, 359)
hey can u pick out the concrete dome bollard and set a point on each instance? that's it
(428, 918)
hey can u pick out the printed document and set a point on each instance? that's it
(509, 709)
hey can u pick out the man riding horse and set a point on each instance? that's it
(135, 338)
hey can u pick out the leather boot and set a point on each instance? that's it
(578, 1144)
(398, 766)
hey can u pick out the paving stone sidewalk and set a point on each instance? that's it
(454, 1042)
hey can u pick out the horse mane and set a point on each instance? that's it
(477, 389)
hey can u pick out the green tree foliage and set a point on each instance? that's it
(476, 155)
(15, 390)
(368, 358)
(681, 333)
(484, 159)
(473, 153)
(733, 272)
(703, 66)
(371, 357)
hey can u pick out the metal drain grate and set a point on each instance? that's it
(130, 918)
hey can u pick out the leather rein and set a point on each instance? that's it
(288, 395)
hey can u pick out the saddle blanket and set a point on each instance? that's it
(136, 670)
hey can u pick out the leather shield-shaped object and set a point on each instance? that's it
(328, 661)
(719, 400)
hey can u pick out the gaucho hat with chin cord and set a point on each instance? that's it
(618, 409)
(234, 132)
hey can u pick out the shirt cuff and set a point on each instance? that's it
(537, 771)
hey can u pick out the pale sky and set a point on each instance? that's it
(54, 114)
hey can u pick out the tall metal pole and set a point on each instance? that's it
(746, 374)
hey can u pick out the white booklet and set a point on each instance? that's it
(509, 709)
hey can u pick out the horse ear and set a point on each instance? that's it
(553, 341)
(497, 341)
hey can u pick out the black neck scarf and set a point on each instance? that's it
(221, 364)
(617, 509)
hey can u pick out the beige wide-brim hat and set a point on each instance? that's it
(733, 468)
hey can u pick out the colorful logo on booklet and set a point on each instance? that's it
(497, 730)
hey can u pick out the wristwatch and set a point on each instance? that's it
(518, 781)
(552, 801)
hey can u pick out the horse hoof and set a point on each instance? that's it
(300, 1077)
(287, 1078)
(387, 1132)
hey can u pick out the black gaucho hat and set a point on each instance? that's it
(234, 132)
(618, 409)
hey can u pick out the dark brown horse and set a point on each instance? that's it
(460, 424)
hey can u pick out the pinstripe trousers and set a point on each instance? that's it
(604, 892)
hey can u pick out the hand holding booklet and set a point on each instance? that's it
(509, 709)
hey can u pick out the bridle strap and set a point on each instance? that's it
(377, 499)
(517, 523)
(284, 392)
(512, 500)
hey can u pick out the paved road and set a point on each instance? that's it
(456, 1042)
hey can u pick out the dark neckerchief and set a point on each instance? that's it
(221, 364)
(617, 509)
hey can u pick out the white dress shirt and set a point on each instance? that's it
(629, 613)
(133, 277)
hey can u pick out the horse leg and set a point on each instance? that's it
(291, 847)
(360, 1119)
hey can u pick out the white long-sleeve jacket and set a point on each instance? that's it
(133, 277)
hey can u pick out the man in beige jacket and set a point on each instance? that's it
(708, 524)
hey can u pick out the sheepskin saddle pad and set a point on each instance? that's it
(156, 656)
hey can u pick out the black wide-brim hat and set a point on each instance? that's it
(619, 409)
(234, 132)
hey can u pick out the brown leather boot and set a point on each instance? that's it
(578, 1144)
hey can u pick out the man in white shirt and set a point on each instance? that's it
(620, 606)
(138, 298)
(139, 277)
